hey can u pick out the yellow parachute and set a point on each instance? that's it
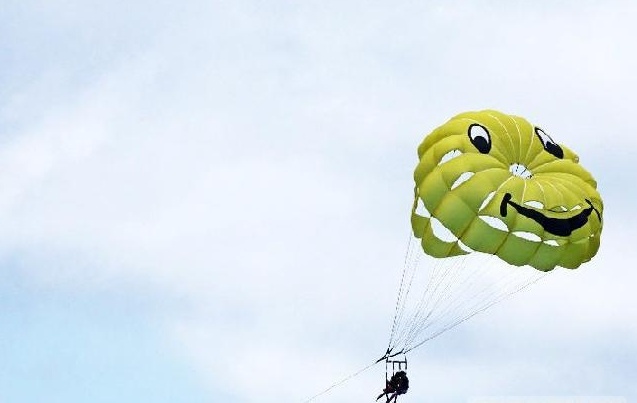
(492, 192)
(497, 184)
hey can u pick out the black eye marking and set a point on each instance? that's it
(480, 138)
(548, 143)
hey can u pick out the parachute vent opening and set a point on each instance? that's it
(494, 222)
(441, 232)
(465, 247)
(535, 204)
(449, 156)
(465, 176)
(486, 201)
(520, 171)
(421, 210)
(552, 242)
(529, 236)
(559, 209)
(577, 207)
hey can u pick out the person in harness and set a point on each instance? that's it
(395, 386)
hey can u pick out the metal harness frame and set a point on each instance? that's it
(401, 364)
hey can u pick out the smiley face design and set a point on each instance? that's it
(494, 183)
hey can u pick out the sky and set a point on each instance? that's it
(208, 201)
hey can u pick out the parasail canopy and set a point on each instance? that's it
(495, 183)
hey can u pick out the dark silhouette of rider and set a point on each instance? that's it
(396, 385)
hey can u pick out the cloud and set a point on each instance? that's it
(252, 165)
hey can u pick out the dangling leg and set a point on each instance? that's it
(386, 389)
(385, 393)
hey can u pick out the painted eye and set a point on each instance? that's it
(548, 143)
(480, 138)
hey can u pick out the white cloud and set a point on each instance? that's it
(255, 162)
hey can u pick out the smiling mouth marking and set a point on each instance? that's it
(556, 226)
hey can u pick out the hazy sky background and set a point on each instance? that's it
(209, 201)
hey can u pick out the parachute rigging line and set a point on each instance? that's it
(399, 309)
(453, 290)
(342, 381)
